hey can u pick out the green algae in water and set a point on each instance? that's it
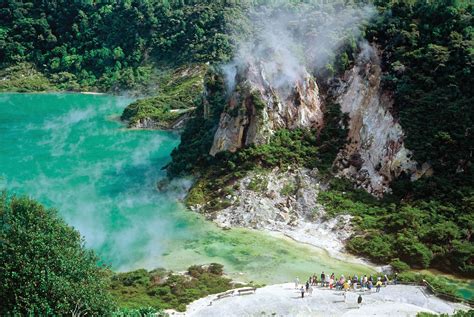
(65, 151)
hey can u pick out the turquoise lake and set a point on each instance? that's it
(70, 152)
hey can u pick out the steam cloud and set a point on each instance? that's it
(286, 42)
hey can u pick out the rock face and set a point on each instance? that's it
(260, 105)
(375, 154)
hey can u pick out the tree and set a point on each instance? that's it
(44, 267)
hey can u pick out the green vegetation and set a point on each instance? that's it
(176, 94)
(23, 77)
(218, 175)
(422, 233)
(258, 184)
(44, 267)
(198, 135)
(162, 290)
(429, 63)
(288, 189)
(140, 312)
(440, 285)
(111, 45)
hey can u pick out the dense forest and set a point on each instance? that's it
(427, 54)
(89, 44)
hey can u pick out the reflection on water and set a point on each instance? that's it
(64, 150)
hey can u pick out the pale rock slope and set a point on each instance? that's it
(286, 201)
(375, 153)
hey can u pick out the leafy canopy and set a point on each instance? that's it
(44, 267)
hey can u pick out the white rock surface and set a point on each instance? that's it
(286, 202)
(285, 300)
(375, 154)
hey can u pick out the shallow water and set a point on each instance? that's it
(70, 152)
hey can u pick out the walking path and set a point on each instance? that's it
(285, 300)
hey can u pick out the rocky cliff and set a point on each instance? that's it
(375, 153)
(261, 104)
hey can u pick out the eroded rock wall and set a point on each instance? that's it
(375, 153)
(259, 106)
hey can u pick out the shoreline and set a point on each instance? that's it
(339, 255)
(58, 92)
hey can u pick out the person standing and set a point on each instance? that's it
(385, 280)
(378, 285)
(302, 291)
(346, 286)
(359, 300)
(323, 279)
(307, 286)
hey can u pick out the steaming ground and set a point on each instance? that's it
(65, 151)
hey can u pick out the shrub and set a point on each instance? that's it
(169, 290)
(413, 251)
(399, 266)
(44, 266)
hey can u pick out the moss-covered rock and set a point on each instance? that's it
(178, 90)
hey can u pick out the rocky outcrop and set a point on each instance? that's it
(172, 123)
(260, 105)
(285, 201)
(174, 102)
(375, 153)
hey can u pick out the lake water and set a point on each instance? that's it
(71, 153)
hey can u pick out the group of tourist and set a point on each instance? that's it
(342, 283)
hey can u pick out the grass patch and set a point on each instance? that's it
(259, 183)
(288, 189)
